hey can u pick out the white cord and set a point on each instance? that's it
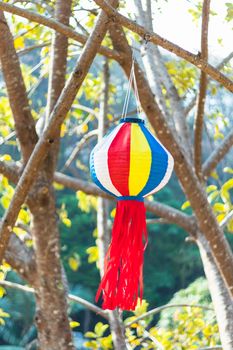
(132, 83)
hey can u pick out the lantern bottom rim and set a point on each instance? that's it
(131, 198)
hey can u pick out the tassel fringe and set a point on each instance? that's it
(122, 282)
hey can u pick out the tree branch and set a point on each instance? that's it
(217, 155)
(22, 259)
(10, 170)
(162, 210)
(70, 297)
(219, 67)
(24, 122)
(59, 51)
(199, 118)
(167, 45)
(57, 75)
(59, 27)
(57, 117)
(79, 147)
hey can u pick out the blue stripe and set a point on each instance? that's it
(131, 198)
(94, 176)
(159, 163)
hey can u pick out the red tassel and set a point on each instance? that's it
(123, 276)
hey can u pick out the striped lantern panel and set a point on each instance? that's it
(130, 161)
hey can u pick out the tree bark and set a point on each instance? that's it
(51, 314)
(199, 117)
(222, 302)
(52, 320)
(16, 90)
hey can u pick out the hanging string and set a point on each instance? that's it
(132, 83)
(127, 97)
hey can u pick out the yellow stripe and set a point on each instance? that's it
(140, 160)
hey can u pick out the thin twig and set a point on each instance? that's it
(79, 147)
(199, 118)
(217, 155)
(192, 103)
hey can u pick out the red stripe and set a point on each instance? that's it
(119, 159)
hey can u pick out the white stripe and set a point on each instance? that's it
(101, 161)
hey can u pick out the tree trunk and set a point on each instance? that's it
(51, 315)
(115, 320)
(222, 302)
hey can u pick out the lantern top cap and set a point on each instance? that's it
(132, 120)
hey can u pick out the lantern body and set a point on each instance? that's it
(130, 164)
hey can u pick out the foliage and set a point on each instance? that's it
(178, 328)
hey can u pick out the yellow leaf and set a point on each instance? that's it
(2, 291)
(93, 253)
(74, 324)
(211, 188)
(113, 213)
(19, 42)
(134, 325)
(219, 207)
(84, 128)
(73, 263)
(90, 335)
(100, 328)
(220, 217)
(185, 205)
(57, 186)
(6, 158)
(67, 222)
(63, 130)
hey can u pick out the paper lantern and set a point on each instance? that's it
(130, 164)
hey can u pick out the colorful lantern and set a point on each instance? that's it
(130, 164)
